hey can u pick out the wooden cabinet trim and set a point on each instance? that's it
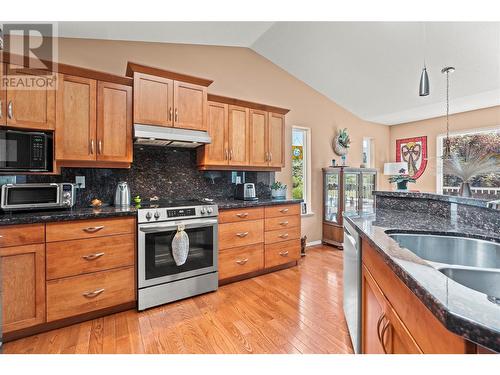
(134, 68)
(248, 104)
(3, 97)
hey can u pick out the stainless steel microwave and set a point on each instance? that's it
(37, 196)
(25, 151)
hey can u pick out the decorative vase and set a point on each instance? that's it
(465, 190)
(338, 148)
(278, 194)
(403, 185)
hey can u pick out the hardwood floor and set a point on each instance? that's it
(297, 310)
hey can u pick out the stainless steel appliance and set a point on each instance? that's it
(37, 196)
(352, 285)
(169, 137)
(122, 195)
(245, 192)
(25, 151)
(160, 280)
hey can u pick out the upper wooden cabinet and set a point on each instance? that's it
(245, 135)
(166, 98)
(94, 122)
(3, 96)
(31, 108)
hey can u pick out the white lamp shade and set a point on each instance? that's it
(394, 168)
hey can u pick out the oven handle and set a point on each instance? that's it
(152, 228)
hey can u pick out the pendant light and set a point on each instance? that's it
(423, 88)
(447, 143)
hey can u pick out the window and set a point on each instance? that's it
(367, 153)
(301, 166)
(488, 141)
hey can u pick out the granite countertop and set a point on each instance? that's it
(477, 202)
(78, 213)
(235, 203)
(461, 310)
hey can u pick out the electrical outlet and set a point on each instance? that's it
(80, 182)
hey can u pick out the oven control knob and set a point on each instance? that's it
(157, 215)
(202, 210)
(148, 215)
(209, 210)
(67, 202)
(67, 194)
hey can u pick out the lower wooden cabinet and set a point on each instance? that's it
(281, 253)
(23, 286)
(241, 260)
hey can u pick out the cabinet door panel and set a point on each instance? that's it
(76, 118)
(258, 137)
(23, 286)
(217, 151)
(153, 100)
(372, 315)
(238, 135)
(114, 122)
(32, 108)
(276, 140)
(190, 103)
(3, 97)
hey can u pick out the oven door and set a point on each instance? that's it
(156, 262)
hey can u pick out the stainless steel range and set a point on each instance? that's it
(160, 279)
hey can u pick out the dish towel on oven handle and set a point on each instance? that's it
(180, 246)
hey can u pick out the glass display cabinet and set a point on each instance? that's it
(347, 190)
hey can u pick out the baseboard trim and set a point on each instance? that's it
(313, 243)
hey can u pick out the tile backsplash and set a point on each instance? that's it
(168, 173)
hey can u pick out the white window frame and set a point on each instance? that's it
(307, 164)
(439, 150)
(371, 152)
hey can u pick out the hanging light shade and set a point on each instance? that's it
(424, 83)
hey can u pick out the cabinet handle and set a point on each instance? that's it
(242, 261)
(92, 256)
(244, 214)
(93, 294)
(379, 321)
(92, 147)
(1, 113)
(10, 109)
(284, 223)
(226, 154)
(284, 210)
(284, 253)
(99, 147)
(382, 335)
(242, 234)
(266, 156)
(284, 235)
(176, 115)
(170, 114)
(270, 156)
(231, 154)
(93, 229)
(1, 236)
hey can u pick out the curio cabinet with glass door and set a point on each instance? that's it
(347, 190)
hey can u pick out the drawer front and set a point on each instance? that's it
(241, 260)
(15, 235)
(71, 258)
(281, 253)
(80, 229)
(81, 294)
(241, 234)
(275, 223)
(282, 210)
(233, 216)
(282, 235)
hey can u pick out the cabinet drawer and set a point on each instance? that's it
(281, 253)
(231, 216)
(81, 294)
(80, 229)
(241, 234)
(274, 223)
(281, 235)
(70, 258)
(241, 260)
(14, 235)
(282, 210)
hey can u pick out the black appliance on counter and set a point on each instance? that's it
(26, 151)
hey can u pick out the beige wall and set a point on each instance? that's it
(242, 73)
(481, 118)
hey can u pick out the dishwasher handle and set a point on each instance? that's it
(349, 236)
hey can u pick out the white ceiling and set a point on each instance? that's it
(370, 68)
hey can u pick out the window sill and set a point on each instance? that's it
(308, 214)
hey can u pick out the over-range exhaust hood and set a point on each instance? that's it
(169, 137)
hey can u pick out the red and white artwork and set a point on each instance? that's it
(413, 151)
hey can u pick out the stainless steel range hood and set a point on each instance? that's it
(169, 137)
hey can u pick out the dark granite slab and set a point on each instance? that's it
(64, 215)
(235, 203)
(432, 196)
(461, 310)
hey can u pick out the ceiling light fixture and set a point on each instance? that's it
(447, 143)
(423, 88)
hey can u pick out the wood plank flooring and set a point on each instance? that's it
(297, 310)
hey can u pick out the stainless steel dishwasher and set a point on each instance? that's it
(352, 284)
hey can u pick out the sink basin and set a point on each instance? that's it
(451, 250)
(484, 281)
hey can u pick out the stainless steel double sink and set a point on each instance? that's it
(471, 262)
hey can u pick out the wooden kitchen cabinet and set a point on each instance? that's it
(216, 153)
(276, 140)
(153, 100)
(238, 135)
(259, 129)
(3, 96)
(190, 106)
(23, 286)
(30, 108)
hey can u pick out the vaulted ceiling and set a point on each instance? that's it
(370, 68)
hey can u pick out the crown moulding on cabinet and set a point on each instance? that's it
(247, 104)
(159, 72)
